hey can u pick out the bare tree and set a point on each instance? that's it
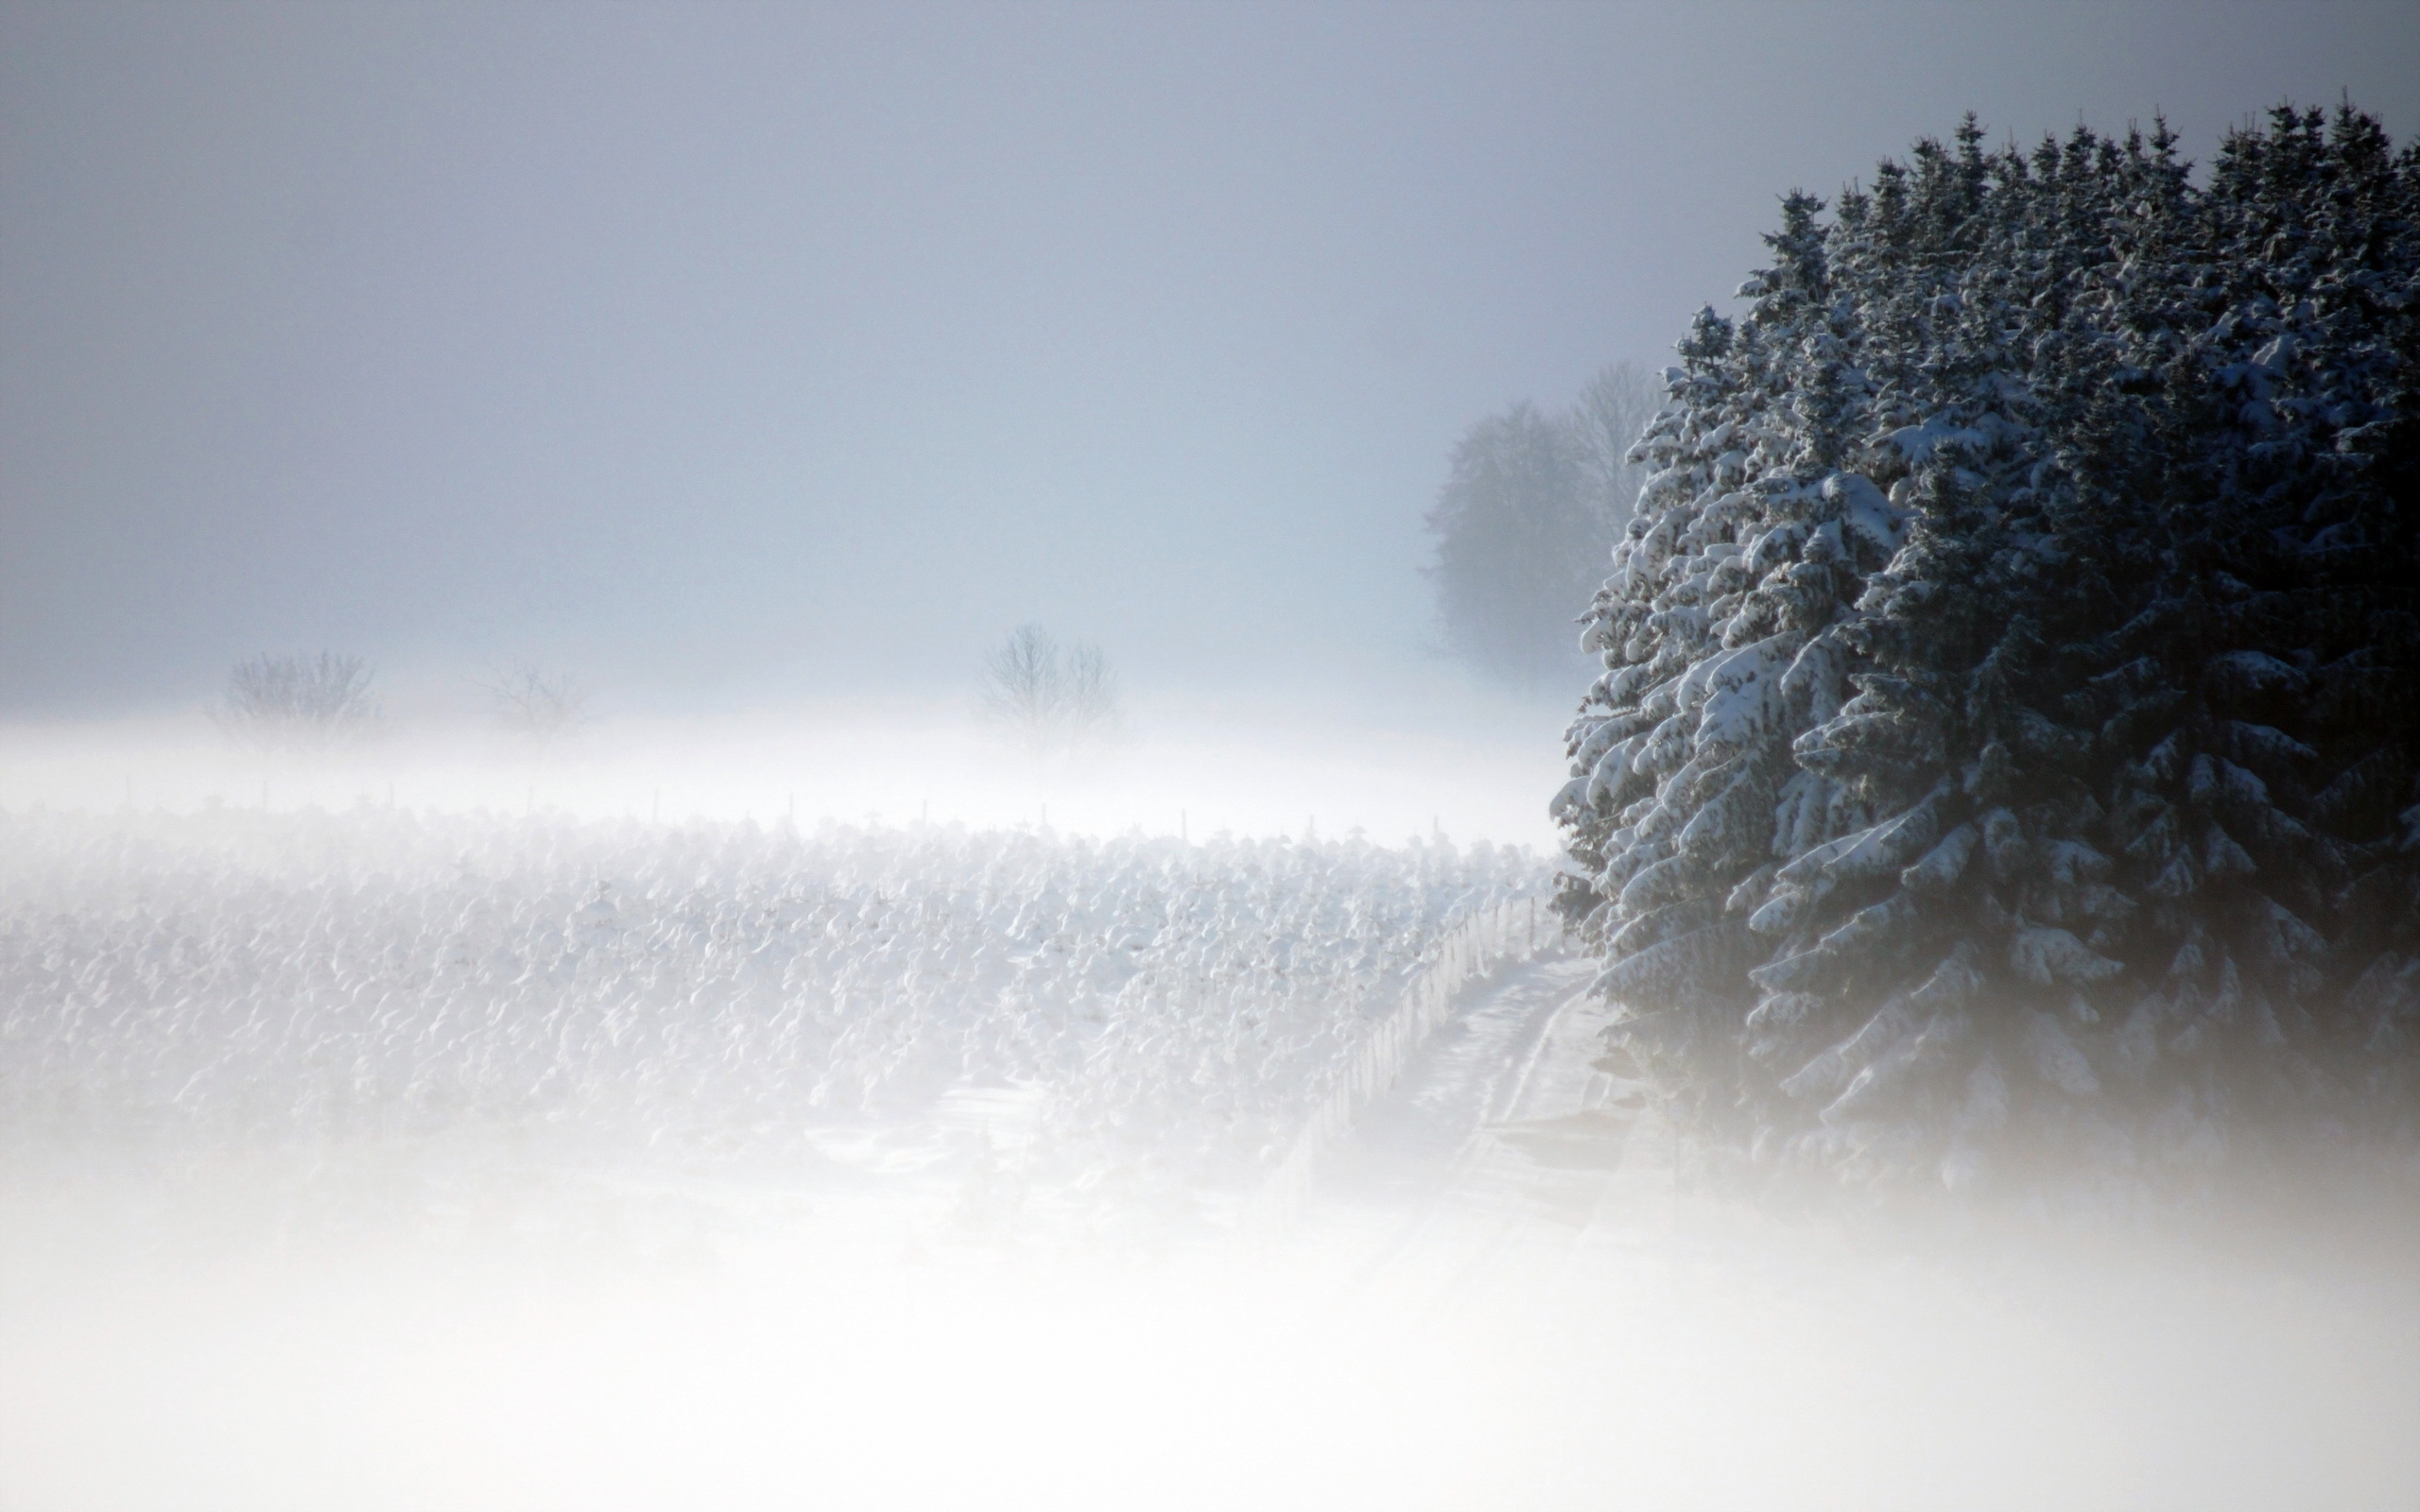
(1612, 413)
(1021, 682)
(1091, 695)
(537, 704)
(298, 702)
(1050, 703)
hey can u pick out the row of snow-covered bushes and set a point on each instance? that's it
(257, 977)
(2007, 756)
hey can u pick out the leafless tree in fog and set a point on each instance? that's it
(298, 702)
(1612, 413)
(1050, 702)
(536, 703)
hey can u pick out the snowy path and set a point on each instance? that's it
(1519, 1049)
(1499, 1152)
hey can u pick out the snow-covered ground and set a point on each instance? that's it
(382, 1159)
(1150, 1010)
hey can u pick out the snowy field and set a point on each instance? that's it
(1147, 1010)
(421, 1157)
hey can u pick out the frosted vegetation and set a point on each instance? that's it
(299, 703)
(247, 978)
(2003, 768)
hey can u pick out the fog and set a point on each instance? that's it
(1690, 1366)
(1462, 762)
(728, 351)
(779, 1085)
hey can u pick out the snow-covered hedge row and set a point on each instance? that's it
(2008, 747)
(262, 976)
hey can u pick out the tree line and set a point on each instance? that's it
(1052, 704)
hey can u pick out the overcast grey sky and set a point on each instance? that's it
(808, 347)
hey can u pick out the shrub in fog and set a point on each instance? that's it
(537, 704)
(298, 702)
(2004, 762)
(1052, 702)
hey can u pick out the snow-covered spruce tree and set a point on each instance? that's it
(2006, 749)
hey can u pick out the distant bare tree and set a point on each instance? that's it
(537, 704)
(298, 702)
(1050, 703)
(1021, 676)
(1612, 413)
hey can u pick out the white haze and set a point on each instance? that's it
(1444, 758)
(762, 366)
(267, 1335)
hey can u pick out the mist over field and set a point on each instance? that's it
(1255, 765)
(1075, 756)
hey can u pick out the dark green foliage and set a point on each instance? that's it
(2009, 735)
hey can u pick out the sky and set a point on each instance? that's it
(732, 352)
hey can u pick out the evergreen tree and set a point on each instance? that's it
(2006, 747)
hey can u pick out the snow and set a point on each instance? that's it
(604, 987)
(1869, 516)
(1510, 1285)
(2044, 955)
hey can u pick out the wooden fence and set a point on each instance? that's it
(1515, 929)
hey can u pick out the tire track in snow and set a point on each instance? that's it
(1497, 1148)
